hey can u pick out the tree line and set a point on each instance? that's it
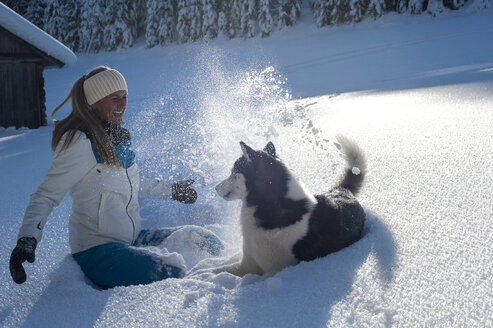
(106, 25)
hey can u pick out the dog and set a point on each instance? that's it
(282, 223)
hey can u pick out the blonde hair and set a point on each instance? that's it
(82, 118)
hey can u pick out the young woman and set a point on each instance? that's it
(94, 161)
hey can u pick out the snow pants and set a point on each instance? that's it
(116, 264)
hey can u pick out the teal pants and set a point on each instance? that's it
(116, 264)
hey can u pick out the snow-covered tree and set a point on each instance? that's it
(324, 11)
(183, 21)
(376, 8)
(356, 10)
(167, 22)
(415, 7)
(35, 13)
(453, 4)
(228, 18)
(152, 23)
(19, 6)
(289, 12)
(249, 18)
(401, 6)
(91, 27)
(195, 19)
(209, 22)
(341, 12)
(62, 21)
(71, 12)
(137, 16)
(189, 24)
(265, 20)
(477, 5)
(160, 22)
(117, 27)
(435, 7)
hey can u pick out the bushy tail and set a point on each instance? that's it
(355, 170)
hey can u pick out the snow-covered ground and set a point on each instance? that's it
(416, 93)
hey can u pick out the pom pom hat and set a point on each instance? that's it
(103, 84)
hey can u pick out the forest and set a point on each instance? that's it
(91, 26)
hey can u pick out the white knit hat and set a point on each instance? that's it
(103, 84)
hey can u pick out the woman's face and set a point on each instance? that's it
(112, 107)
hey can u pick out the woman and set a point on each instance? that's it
(94, 161)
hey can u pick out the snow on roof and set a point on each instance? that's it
(19, 26)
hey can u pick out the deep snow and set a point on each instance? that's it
(414, 92)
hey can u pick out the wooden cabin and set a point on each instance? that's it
(23, 57)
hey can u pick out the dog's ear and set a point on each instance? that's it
(247, 151)
(270, 149)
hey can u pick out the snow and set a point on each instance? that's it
(30, 33)
(414, 92)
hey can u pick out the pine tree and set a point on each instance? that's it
(453, 4)
(71, 12)
(209, 23)
(477, 5)
(266, 23)
(167, 22)
(249, 18)
(137, 16)
(234, 18)
(91, 27)
(195, 20)
(183, 22)
(19, 6)
(356, 10)
(401, 6)
(222, 17)
(35, 13)
(152, 23)
(289, 12)
(376, 8)
(435, 7)
(324, 11)
(54, 19)
(160, 22)
(415, 7)
(117, 32)
(341, 11)
(228, 18)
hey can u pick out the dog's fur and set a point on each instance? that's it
(282, 223)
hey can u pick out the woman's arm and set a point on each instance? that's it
(180, 191)
(155, 188)
(67, 168)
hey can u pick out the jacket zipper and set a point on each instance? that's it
(130, 199)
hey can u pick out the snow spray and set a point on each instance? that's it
(195, 131)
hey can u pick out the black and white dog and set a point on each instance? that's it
(282, 222)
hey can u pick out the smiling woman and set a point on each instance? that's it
(112, 107)
(95, 162)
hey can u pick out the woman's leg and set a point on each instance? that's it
(117, 264)
(184, 237)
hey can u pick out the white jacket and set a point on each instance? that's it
(105, 204)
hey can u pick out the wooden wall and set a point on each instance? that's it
(22, 98)
(20, 95)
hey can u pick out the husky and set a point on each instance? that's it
(282, 223)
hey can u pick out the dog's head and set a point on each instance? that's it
(258, 171)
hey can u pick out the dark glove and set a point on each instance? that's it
(24, 251)
(182, 192)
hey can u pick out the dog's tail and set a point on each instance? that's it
(355, 170)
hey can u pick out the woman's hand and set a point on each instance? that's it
(24, 251)
(182, 192)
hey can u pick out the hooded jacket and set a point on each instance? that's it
(105, 204)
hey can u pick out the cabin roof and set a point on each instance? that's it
(30, 33)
